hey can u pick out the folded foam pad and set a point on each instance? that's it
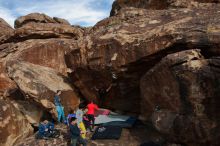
(123, 124)
(107, 132)
(102, 111)
(101, 119)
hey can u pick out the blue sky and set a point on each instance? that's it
(79, 12)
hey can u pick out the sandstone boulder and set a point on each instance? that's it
(47, 30)
(32, 111)
(40, 84)
(48, 53)
(34, 30)
(160, 87)
(14, 126)
(38, 18)
(185, 129)
(41, 26)
(39, 53)
(139, 51)
(33, 17)
(70, 100)
(122, 48)
(187, 84)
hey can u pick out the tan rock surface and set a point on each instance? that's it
(13, 125)
(159, 4)
(41, 83)
(129, 44)
(167, 57)
(187, 85)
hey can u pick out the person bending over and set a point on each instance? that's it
(91, 114)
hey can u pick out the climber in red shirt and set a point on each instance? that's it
(91, 114)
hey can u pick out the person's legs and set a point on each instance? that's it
(82, 141)
(90, 117)
(62, 114)
(93, 121)
(87, 125)
(73, 142)
(58, 112)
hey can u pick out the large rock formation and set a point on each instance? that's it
(129, 44)
(32, 67)
(190, 89)
(166, 58)
(41, 83)
(40, 26)
(48, 53)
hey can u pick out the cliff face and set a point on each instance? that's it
(33, 67)
(163, 66)
(159, 4)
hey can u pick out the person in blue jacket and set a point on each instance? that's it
(59, 107)
(45, 129)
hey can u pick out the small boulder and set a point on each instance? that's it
(33, 17)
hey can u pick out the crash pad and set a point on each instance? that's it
(107, 132)
(101, 119)
(123, 124)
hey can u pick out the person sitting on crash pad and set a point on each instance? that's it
(75, 133)
(102, 93)
(59, 106)
(91, 114)
(46, 130)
